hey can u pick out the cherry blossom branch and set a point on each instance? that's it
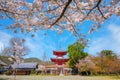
(59, 25)
(94, 7)
(77, 5)
(97, 6)
(73, 26)
(54, 8)
(101, 12)
(7, 11)
(63, 11)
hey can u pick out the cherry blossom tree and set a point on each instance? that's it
(87, 65)
(17, 50)
(57, 14)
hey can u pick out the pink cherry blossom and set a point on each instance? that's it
(47, 14)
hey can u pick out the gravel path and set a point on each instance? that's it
(39, 77)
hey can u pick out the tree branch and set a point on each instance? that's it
(73, 26)
(7, 11)
(53, 9)
(63, 11)
(101, 12)
(94, 7)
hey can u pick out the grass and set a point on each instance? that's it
(39, 77)
(3, 79)
(116, 77)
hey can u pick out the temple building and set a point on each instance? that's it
(60, 63)
(23, 68)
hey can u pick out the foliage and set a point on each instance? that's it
(7, 72)
(108, 53)
(108, 62)
(75, 52)
(33, 72)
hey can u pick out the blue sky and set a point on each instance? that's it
(107, 37)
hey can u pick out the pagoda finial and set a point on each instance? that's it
(60, 47)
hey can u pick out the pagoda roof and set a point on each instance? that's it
(59, 53)
(57, 60)
(24, 66)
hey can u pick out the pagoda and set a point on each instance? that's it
(59, 60)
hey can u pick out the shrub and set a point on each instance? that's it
(33, 72)
(7, 73)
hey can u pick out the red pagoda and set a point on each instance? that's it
(59, 60)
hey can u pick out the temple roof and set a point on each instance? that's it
(24, 65)
(60, 59)
(59, 53)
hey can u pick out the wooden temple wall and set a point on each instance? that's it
(21, 72)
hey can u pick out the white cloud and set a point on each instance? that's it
(109, 41)
(4, 40)
(52, 41)
(38, 45)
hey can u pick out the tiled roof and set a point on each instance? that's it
(24, 65)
